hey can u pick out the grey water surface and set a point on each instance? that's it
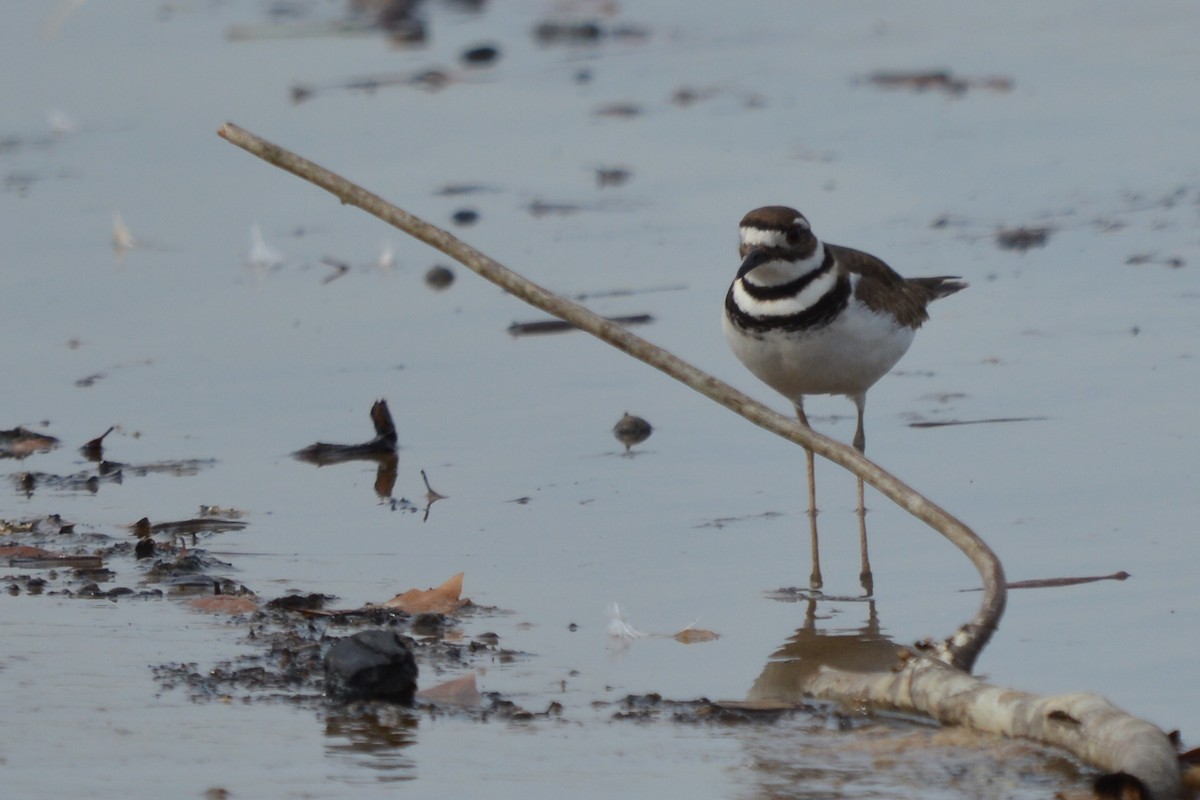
(1079, 118)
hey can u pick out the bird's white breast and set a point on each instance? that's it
(846, 356)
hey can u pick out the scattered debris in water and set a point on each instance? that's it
(1051, 583)
(383, 445)
(462, 691)
(631, 430)
(692, 635)
(541, 208)
(538, 327)
(571, 33)
(439, 277)
(690, 95)
(21, 442)
(677, 287)
(586, 32)
(484, 55)
(444, 599)
(29, 482)
(618, 110)
(94, 449)
(386, 260)
(937, 80)
(261, 255)
(621, 633)
(612, 176)
(431, 496)
(458, 189)
(400, 20)
(722, 522)
(193, 527)
(1022, 239)
(340, 268)
(430, 79)
(122, 238)
(922, 423)
(382, 450)
(1174, 262)
(24, 556)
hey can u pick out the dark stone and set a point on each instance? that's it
(428, 624)
(144, 548)
(299, 602)
(481, 55)
(371, 665)
(439, 277)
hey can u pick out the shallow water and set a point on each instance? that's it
(200, 355)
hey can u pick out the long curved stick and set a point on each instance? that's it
(959, 651)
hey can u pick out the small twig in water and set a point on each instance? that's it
(431, 496)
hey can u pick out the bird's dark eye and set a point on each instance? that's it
(795, 234)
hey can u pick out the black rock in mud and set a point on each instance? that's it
(371, 665)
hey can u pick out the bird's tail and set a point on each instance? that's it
(936, 288)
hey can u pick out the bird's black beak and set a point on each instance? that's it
(754, 258)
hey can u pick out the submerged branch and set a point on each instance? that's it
(959, 652)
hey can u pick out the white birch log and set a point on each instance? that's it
(1086, 725)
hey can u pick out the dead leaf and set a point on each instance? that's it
(25, 551)
(30, 557)
(444, 599)
(224, 604)
(459, 692)
(696, 636)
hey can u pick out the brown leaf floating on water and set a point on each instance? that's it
(459, 692)
(444, 599)
(27, 556)
(26, 551)
(696, 636)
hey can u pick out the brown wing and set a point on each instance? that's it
(883, 290)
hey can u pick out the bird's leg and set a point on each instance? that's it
(865, 577)
(814, 579)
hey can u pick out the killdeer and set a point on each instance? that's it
(813, 318)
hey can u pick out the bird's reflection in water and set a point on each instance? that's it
(791, 668)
